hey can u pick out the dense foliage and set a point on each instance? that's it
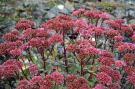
(85, 50)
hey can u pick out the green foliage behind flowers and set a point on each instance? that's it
(109, 7)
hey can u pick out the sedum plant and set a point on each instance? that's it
(84, 50)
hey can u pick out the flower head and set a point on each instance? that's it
(24, 24)
(78, 12)
(131, 79)
(16, 52)
(78, 83)
(119, 63)
(10, 37)
(57, 77)
(104, 78)
(106, 61)
(99, 86)
(23, 84)
(33, 68)
(11, 67)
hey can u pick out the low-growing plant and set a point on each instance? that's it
(84, 50)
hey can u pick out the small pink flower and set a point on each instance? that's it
(131, 79)
(119, 63)
(24, 47)
(35, 42)
(78, 12)
(55, 39)
(118, 38)
(83, 83)
(104, 78)
(3, 48)
(110, 33)
(106, 61)
(105, 16)
(80, 23)
(24, 24)
(71, 78)
(99, 86)
(36, 81)
(57, 77)
(10, 37)
(133, 38)
(18, 43)
(11, 67)
(71, 48)
(16, 52)
(41, 32)
(105, 53)
(1, 71)
(122, 48)
(98, 31)
(48, 78)
(15, 32)
(23, 84)
(33, 68)
(130, 70)
(28, 33)
(46, 85)
(105, 69)
(78, 83)
(116, 76)
(114, 86)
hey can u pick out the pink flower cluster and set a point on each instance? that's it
(24, 24)
(33, 69)
(38, 82)
(76, 83)
(10, 69)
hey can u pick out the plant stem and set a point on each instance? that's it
(65, 56)
(81, 68)
(96, 40)
(30, 56)
(24, 74)
(97, 22)
(101, 22)
(105, 43)
(43, 59)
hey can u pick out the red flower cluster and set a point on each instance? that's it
(55, 39)
(104, 78)
(96, 15)
(131, 79)
(76, 83)
(115, 23)
(10, 69)
(50, 81)
(133, 38)
(99, 86)
(120, 64)
(24, 24)
(16, 52)
(126, 47)
(110, 33)
(33, 69)
(78, 12)
(106, 61)
(10, 37)
(59, 23)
